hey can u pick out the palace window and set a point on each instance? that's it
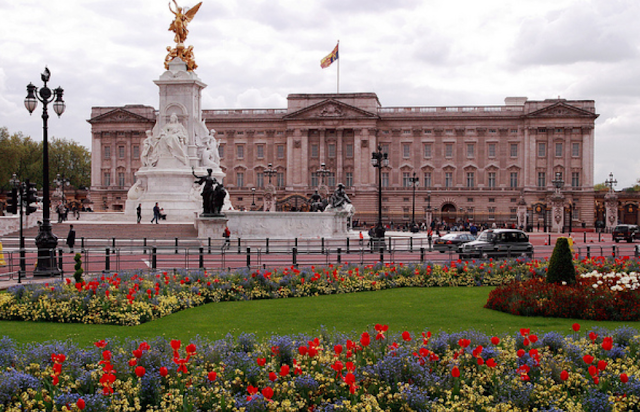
(348, 179)
(492, 150)
(575, 149)
(385, 179)
(575, 179)
(349, 150)
(331, 149)
(513, 150)
(221, 151)
(406, 151)
(107, 152)
(260, 151)
(280, 179)
(405, 179)
(492, 213)
(120, 152)
(448, 150)
(542, 149)
(106, 179)
(448, 179)
(240, 179)
(427, 150)
(558, 149)
(280, 150)
(240, 151)
(542, 179)
(492, 179)
(120, 179)
(136, 152)
(471, 179)
(427, 179)
(513, 180)
(471, 150)
(314, 150)
(260, 179)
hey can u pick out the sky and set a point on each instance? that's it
(253, 53)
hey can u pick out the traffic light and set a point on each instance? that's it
(31, 197)
(12, 202)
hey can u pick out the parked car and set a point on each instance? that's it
(498, 243)
(626, 232)
(452, 242)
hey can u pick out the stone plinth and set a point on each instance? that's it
(280, 225)
(211, 227)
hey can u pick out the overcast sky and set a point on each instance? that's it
(253, 53)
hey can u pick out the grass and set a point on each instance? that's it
(412, 309)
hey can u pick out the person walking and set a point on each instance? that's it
(71, 238)
(139, 211)
(156, 213)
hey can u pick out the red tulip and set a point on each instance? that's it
(520, 353)
(576, 327)
(406, 336)
(137, 353)
(175, 344)
(337, 349)
(284, 370)
(140, 371)
(261, 361)
(464, 342)
(593, 336)
(602, 365)
(267, 392)
(607, 343)
(273, 377)
(564, 375)
(593, 371)
(80, 404)
(495, 340)
(212, 376)
(133, 362)
(164, 371)
(533, 338)
(191, 348)
(624, 378)
(365, 339)
(491, 363)
(587, 359)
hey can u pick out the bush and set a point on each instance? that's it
(561, 267)
(77, 275)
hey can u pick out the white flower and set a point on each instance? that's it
(595, 286)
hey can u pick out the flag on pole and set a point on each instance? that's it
(330, 58)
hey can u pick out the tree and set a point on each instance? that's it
(561, 268)
(23, 156)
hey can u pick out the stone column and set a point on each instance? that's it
(557, 212)
(340, 160)
(611, 211)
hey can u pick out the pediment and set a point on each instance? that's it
(561, 109)
(120, 115)
(331, 109)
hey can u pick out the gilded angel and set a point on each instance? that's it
(183, 17)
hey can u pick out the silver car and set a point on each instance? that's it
(498, 243)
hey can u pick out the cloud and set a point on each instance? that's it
(587, 31)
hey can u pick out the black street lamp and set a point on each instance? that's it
(611, 182)
(253, 197)
(270, 171)
(20, 188)
(379, 160)
(414, 183)
(46, 241)
(323, 172)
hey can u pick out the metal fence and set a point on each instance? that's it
(112, 255)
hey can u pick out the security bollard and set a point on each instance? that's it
(613, 253)
(267, 246)
(588, 252)
(339, 255)
(60, 263)
(347, 246)
(113, 242)
(248, 257)
(239, 246)
(411, 244)
(176, 246)
(381, 254)
(585, 237)
(322, 240)
(549, 239)
(201, 258)
(153, 258)
(209, 245)
(144, 244)
(294, 254)
(107, 261)
(421, 255)
(82, 244)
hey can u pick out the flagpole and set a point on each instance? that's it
(338, 78)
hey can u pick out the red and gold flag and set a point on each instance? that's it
(330, 58)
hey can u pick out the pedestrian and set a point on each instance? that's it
(156, 213)
(361, 238)
(226, 235)
(139, 211)
(71, 238)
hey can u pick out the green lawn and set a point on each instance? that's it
(412, 309)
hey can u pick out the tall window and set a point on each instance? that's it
(492, 150)
(349, 150)
(120, 152)
(314, 179)
(492, 179)
(107, 152)
(314, 150)
(120, 179)
(240, 151)
(471, 150)
(513, 213)
(331, 148)
(136, 152)
(260, 151)
(448, 150)
(348, 179)
(575, 179)
(558, 149)
(448, 179)
(513, 179)
(260, 179)
(280, 179)
(385, 179)
(427, 179)
(575, 149)
(513, 149)
(542, 149)
(492, 213)
(427, 150)
(331, 180)
(240, 179)
(406, 151)
(542, 179)
(280, 150)
(106, 179)
(385, 148)
(221, 151)
(471, 177)
(405, 179)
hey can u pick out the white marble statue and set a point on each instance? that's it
(173, 139)
(208, 150)
(149, 153)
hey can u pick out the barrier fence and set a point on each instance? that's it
(112, 255)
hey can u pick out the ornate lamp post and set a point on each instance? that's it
(557, 201)
(379, 160)
(414, 183)
(253, 197)
(323, 172)
(270, 171)
(611, 182)
(611, 203)
(429, 211)
(20, 188)
(61, 182)
(46, 241)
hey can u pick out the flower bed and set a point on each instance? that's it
(597, 371)
(597, 295)
(135, 298)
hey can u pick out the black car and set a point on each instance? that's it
(498, 243)
(626, 232)
(452, 242)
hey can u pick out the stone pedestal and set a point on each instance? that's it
(557, 212)
(211, 227)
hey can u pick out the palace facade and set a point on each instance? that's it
(471, 163)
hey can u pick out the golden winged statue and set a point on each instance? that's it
(179, 27)
(183, 16)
